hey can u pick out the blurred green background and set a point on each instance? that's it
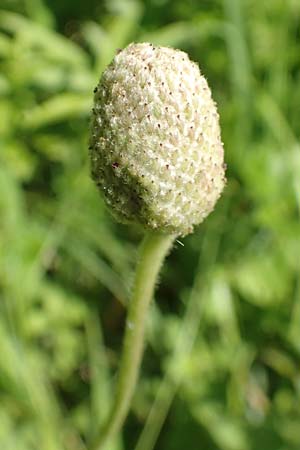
(222, 366)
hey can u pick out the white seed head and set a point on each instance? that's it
(155, 147)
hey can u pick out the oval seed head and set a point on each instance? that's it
(156, 152)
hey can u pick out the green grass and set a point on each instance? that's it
(222, 365)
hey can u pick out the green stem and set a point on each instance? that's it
(153, 251)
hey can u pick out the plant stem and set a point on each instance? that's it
(152, 253)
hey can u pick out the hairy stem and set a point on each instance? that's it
(152, 253)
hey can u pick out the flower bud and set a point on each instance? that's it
(155, 147)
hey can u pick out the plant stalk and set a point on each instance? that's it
(153, 250)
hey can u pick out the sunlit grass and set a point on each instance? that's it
(222, 366)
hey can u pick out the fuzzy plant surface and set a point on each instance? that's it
(155, 147)
(157, 156)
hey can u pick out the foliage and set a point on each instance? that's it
(221, 370)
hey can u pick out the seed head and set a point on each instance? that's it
(155, 146)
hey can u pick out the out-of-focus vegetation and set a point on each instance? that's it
(222, 365)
